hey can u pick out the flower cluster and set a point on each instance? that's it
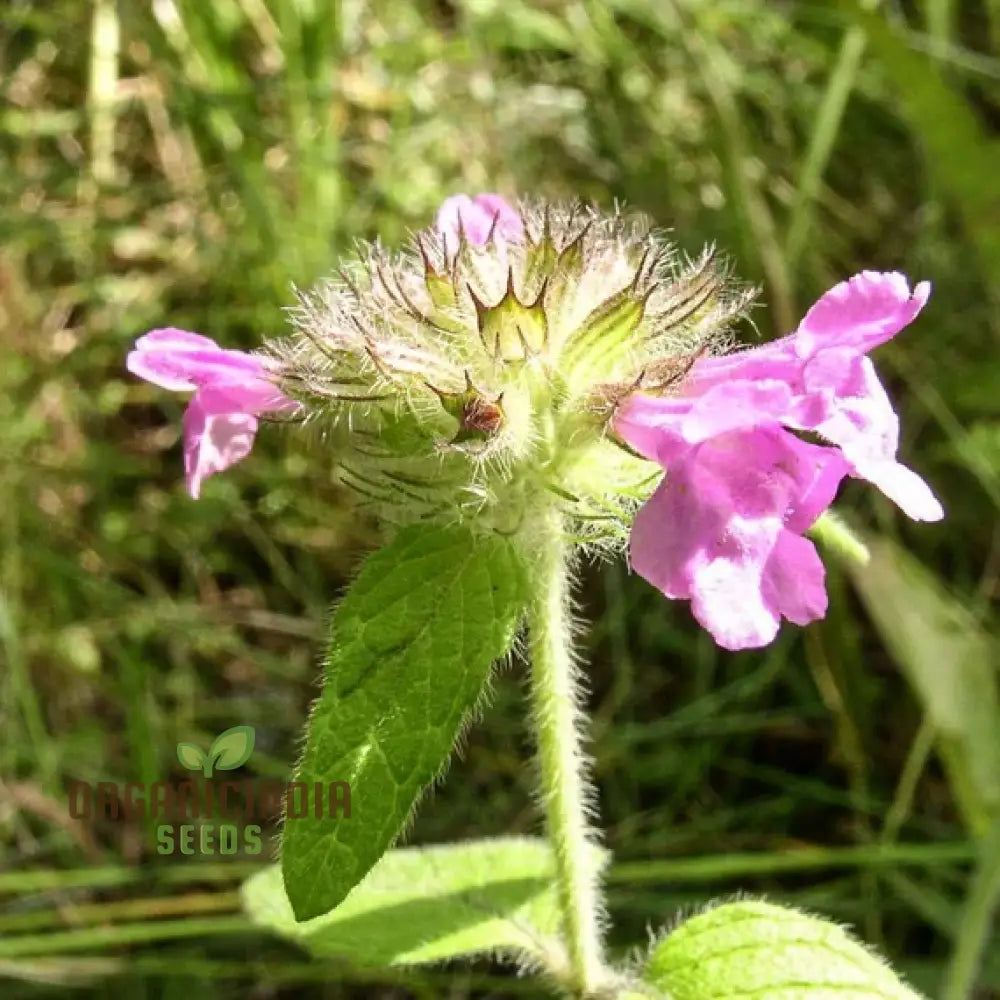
(512, 360)
(474, 374)
(725, 527)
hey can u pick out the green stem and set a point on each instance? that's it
(555, 697)
(832, 532)
(97, 938)
(976, 924)
(825, 130)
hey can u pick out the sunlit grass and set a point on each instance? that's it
(238, 147)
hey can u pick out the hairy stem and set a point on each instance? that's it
(555, 697)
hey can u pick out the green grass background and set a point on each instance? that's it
(179, 162)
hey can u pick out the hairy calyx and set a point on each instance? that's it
(481, 366)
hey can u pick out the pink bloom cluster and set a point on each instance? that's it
(725, 526)
(231, 390)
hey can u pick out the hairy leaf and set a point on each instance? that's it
(428, 904)
(411, 648)
(753, 948)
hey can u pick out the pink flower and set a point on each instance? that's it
(231, 390)
(725, 527)
(477, 218)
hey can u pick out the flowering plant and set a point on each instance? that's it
(519, 387)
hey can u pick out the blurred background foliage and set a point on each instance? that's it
(176, 162)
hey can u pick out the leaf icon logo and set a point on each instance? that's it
(191, 756)
(229, 750)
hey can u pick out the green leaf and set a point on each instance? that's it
(428, 904)
(232, 748)
(753, 948)
(948, 659)
(411, 648)
(191, 756)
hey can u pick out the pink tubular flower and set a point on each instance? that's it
(231, 390)
(477, 218)
(725, 527)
